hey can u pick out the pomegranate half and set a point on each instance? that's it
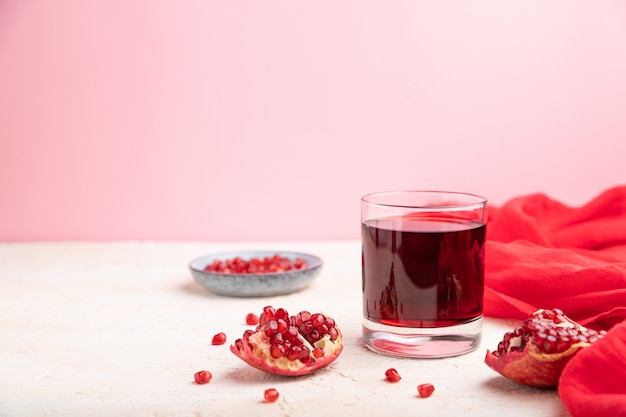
(536, 353)
(290, 345)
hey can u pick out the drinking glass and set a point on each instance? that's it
(423, 267)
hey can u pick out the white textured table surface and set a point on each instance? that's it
(119, 329)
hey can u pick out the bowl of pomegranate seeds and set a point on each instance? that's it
(255, 273)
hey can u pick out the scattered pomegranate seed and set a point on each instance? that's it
(219, 339)
(268, 264)
(271, 395)
(392, 375)
(318, 352)
(202, 377)
(425, 390)
(252, 319)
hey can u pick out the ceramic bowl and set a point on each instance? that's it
(255, 285)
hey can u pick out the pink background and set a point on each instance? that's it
(266, 120)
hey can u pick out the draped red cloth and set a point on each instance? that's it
(594, 382)
(543, 254)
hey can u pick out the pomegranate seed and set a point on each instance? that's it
(304, 354)
(317, 320)
(202, 377)
(294, 353)
(308, 361)
(219, 339)
(333, 333)
(271, 395)
(425, 390)
(291, 333)
(302, 317)
(271, 328)
(318, 352)
(269, 313)
(277, 351)
(281, 314)
(282, 326)
(313, 336)
(392, 375)
(238, 265)
(252, 319)
(277, 339)
(306, 327)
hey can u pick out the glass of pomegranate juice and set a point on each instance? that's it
(423, 265)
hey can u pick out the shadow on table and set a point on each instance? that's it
(506, 387)
(248, 375)
(501, 384)
(193, 288)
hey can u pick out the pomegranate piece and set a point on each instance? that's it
(219, 339)
(425, 390)
(271, 395)
(252, 319)
(290, 345)
(392, 375)
(536, 353)
(202, 377)
(265, 265)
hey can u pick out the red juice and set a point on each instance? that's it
(422, 270)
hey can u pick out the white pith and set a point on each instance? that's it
(515, 342)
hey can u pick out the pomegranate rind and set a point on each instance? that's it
(531, 367)
(255, 352)
(520, 358)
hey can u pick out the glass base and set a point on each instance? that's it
(436, 342)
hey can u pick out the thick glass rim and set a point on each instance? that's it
(463, 201)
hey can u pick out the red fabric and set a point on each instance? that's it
(594, 382)
(543, 254)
